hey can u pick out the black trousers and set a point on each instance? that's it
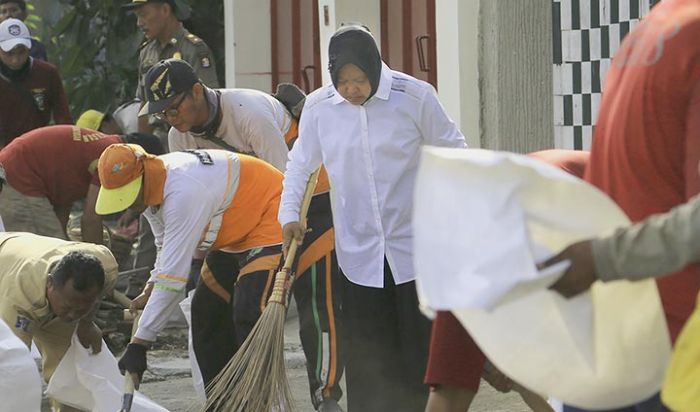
(387, 345)
(230, 296)
(317, 292)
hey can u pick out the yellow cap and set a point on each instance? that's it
(91, 119)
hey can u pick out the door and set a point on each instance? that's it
(295, 43)
(408, 37)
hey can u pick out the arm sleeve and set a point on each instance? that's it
(304, 158)
(657, 246)
(266, 138)
(60, 111)
(206, 74)
(436, 126)
(185, 217)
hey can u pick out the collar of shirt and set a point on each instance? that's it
(383, 90)
(213, 103)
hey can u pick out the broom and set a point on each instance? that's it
(255, 378)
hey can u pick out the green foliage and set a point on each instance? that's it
(33, 21)
(95, 45)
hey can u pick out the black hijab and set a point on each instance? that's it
(355, 44)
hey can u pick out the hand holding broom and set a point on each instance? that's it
(255, 379)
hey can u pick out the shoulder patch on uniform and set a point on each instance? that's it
(205, 61)
(193, 39)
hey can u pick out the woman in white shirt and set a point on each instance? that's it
(367, 128)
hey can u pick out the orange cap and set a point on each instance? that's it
(121, 176)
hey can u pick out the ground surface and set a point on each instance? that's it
(168, 380)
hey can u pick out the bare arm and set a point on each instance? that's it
(144, 126)
(91, 222)
(62, 213)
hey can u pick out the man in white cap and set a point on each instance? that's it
(34, 86)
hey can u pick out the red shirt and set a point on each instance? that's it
(56, 162)
(454, 357)
(32, 102)
(646, 144)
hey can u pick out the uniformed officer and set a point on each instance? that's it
(160, 21)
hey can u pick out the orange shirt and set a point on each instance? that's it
(646, 145)
(251, 218)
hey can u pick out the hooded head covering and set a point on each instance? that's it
(355, 44)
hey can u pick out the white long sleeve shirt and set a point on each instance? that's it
(192, 196)
(371, 153)
(253, 122)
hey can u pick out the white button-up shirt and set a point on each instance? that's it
(371, 153)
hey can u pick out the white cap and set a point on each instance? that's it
(14, 33)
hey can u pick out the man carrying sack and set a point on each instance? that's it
(49, 289)
(211, 200)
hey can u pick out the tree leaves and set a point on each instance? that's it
(95, 45)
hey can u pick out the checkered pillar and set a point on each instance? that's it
(587, 33)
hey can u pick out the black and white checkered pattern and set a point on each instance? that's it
(587, 33)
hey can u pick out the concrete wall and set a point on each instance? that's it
(252, 44)
(457, 36)
(516, 75)
(362, 11)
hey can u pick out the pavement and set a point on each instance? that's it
(169, 382)
(168, 379)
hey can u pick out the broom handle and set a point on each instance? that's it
(283, 280)
(129, 386)
(305, 202)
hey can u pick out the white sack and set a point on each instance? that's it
(197, 380)
(93, 382)
(20, 383)
(482, 220)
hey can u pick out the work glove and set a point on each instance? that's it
(134, 360)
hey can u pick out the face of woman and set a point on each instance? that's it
(353, 84)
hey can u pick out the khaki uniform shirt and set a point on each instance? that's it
(25, 260)
(659, 245)
(183, 45)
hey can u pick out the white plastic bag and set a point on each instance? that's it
(93, 382)
(20, 383)
(197, 380)
(482, 220)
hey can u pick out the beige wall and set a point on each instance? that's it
(457, 36)
(252, 44)
(363, 11)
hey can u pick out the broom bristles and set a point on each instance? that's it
(255, 378)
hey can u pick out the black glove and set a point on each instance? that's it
(134, 359)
